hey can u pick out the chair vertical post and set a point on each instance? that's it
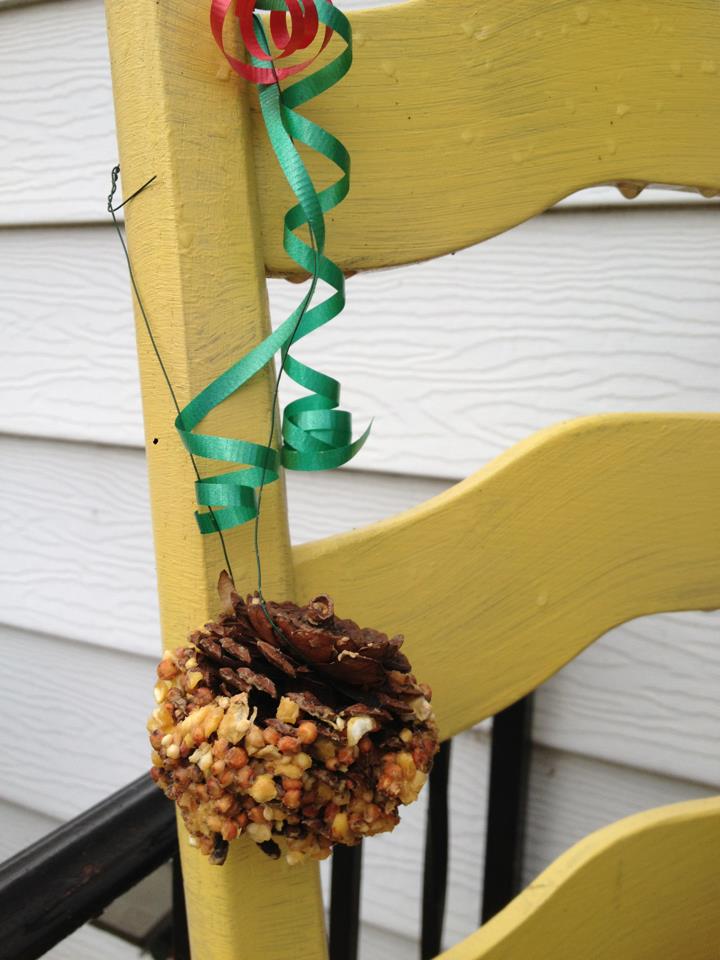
(195, 242)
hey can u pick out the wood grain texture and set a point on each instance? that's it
(199, 265)
(570, 314)
(644, 694)
(576, 530)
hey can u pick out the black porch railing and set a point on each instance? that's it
(70, 876)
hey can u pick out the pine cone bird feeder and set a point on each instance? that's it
(291, 725)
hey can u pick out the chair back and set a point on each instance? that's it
(462, 120)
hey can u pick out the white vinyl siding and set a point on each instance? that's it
(599, 305)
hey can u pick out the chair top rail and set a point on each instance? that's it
(464, 119)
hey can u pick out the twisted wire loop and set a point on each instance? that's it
(316, 434)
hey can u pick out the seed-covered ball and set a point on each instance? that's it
(291, 725)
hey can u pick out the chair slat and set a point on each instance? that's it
(507, 796)
(502, 579)
(435, 870)
(345, 889)
(645, 887)
(465, 118)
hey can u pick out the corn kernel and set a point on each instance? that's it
(407, 765)
(287, 711)
(340, 826)
(263, 789)
(259, 832)
(290, 770)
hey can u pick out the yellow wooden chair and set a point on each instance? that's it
(503, 579)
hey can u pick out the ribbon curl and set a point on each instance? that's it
(316, 435)
(304, 23)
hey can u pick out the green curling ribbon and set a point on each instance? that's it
(316, 435)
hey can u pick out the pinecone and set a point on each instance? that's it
(289, 724)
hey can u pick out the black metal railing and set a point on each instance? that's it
(70, 876)
(507, 800)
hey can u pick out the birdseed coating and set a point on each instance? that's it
(291, 725)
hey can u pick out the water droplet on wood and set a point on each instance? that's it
(629, 189)
(582, 13)
(484, 32)
(186, 235)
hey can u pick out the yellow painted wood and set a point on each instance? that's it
(645, 888)
(465, 118)
(193, 241)
(501, 580)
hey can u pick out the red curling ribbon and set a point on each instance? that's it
(305, 36)
(304, 25)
